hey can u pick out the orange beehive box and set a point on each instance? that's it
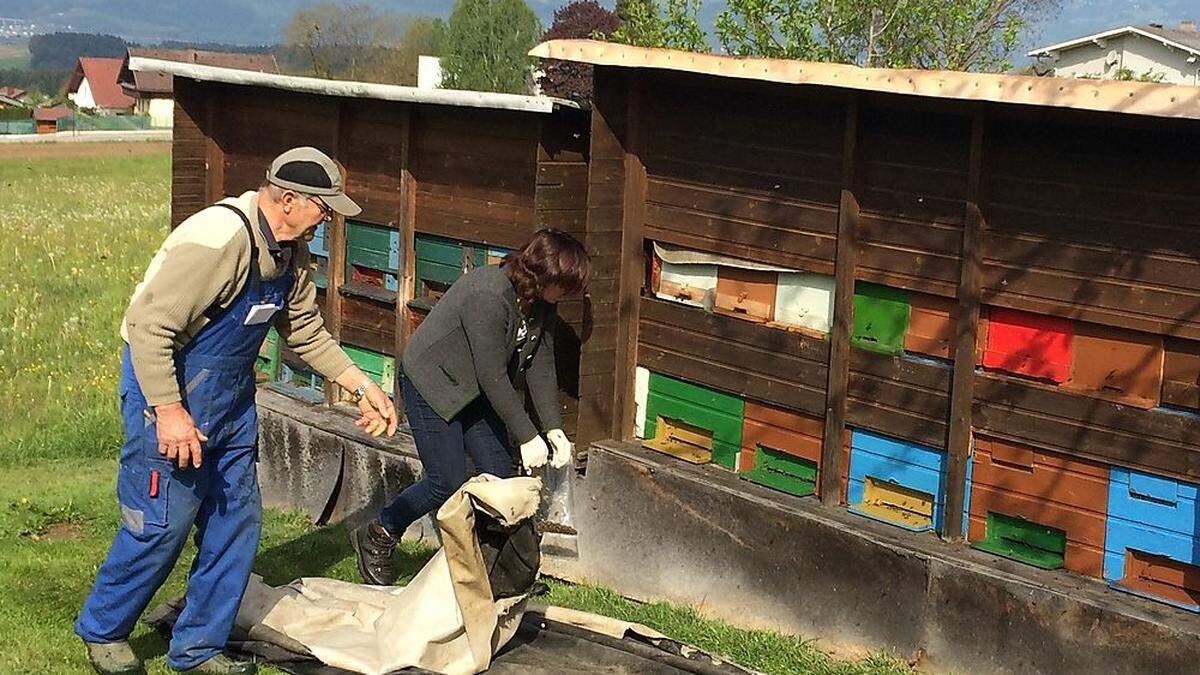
(1181, 373)
(931, 325)
(746, 294)
(1045, 488)
(785, 431)
(1116, 364)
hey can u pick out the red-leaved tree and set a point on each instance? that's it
(578, 19)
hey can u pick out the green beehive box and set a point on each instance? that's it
(880, 318)
(783, 472)
(1024, 541)
(441, 261)
(711, 412)
(371, 246)
(378, 367)
(269, 356)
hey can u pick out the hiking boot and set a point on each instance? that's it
(223, 665)
(114, 658)
(373, 547)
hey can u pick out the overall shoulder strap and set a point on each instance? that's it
(214, 311)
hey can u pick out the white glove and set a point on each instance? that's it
(564, 449)
(534, 453)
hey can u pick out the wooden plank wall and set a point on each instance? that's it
(1081, 215)
(484, 176)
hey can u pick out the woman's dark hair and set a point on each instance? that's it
(551, 258)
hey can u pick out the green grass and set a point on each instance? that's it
(79, 234)
(14, 57)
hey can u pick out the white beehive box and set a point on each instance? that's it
(805, 301)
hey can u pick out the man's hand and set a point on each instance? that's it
(178, 438)
(378, 413)
(534, 453)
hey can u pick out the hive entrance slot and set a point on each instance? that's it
(781, 471)
(680, 439)
(1024, 541)
(1162, 578)
(897, 504)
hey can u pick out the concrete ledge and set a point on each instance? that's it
(313, 459)
(653, 527)
(158, 135)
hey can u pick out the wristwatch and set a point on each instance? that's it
(362, 390)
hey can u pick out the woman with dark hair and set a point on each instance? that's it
(493, 326)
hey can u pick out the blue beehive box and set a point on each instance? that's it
(1152, 547)
(898, 482)
(319, 244)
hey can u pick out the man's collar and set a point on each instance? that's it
(268, 236)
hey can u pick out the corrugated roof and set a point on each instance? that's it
(1134, 98)
(101, 74)
(51, 114)
(146, 83)
(383, 92)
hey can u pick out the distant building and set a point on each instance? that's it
(46, 119)
(14, 93)
(152, 93)
(94, 86)
(1148, 52)
(429, 72)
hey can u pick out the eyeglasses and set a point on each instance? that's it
(326, 212)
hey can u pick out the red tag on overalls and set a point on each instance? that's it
(154, 483)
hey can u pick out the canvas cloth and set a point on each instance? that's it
(445, 620)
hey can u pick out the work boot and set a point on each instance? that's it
(223, 665)
(373, 547)
(114, 658)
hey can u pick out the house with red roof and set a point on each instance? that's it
(94, 85)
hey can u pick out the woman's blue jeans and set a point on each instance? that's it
(443, 448)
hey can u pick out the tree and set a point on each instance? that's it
(676, 27)
(579, 19)
(424, 36)
(343, 41)
(61, 51)
(961, 35)
(487, 46)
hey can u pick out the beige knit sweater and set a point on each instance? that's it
(206, 260)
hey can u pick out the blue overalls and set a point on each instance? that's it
(160, 502)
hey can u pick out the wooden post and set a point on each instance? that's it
(832, 446)
(962, 388)
(633, 266)
(335, 237)
(214, 157)
(407, 224)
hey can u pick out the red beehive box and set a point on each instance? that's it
(746, 294)
(1045, 488)
(1028, 344)
(931, 322)
(1120, 365)
(789, 432)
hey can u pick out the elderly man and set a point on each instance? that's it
(194, 327)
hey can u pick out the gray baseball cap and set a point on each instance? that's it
(312, 172)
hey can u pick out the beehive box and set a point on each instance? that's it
(1152, 547)
(880, 318)
(1181, 373)
(931, 325)
(494, 255)
(1119, 365)
(1034, 345)
(641, 391)
(693, 422)
(781, 449)
(804, 302)
(372, 255)
(694, 285)
(1038, 507)
(746, 294)
(270, 355)
(319, 244)
(897, 482)
(379, 367)
(441, 261)
(299, 380)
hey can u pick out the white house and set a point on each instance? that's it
(1152, 52)
(94, 86)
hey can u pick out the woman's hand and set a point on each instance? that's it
(378, 413)
(534, 453)
(178, 438)
(563, 448)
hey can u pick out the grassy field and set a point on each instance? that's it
(14, 56)
(79, 233)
